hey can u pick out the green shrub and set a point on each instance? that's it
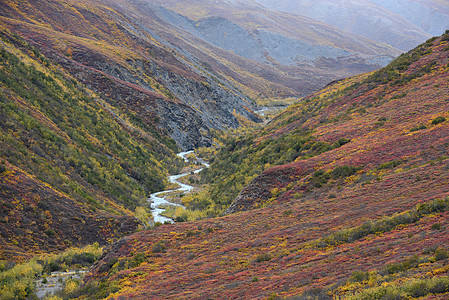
(341, 142)
(445, 36)
(359, 276)
(435, 206)
(18, 282)
(287, 212)
(424, 287)
(49, 232)
(182, 218)
(159, 247)
(384, 225)
(320, 178)
(399, 96)
(418, 289)
(411, 289)
(313, 294)
(273, 296)
(438, 120)
(391, 164)
(417, 128)
(263, 257)
(441, 254)
(52, 266)
(438, 285)
(344, 171)
(436, 226)
(403, 266)
(136, 260)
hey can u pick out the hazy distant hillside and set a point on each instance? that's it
(391, 22)
(265, 53)
(432, 16)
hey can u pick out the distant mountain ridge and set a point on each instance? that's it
(282, 54)
(432, 16)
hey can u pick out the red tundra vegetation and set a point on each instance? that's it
(368, 217)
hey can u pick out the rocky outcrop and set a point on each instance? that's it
(182, 124)
(216, 104)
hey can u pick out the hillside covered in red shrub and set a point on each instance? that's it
(351, 201)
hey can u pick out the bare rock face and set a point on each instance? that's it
(182, 125)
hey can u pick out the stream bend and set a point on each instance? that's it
(158, 202)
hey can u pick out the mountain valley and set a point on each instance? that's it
(326, 149)
(360, 208)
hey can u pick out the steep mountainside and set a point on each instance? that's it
(392, 116)
(71, 169)
(96, 99)
(36, 218)
(367, 18)
(93, 110)
(361, 209)
(124, 64)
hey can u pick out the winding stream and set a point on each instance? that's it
(157, 200)
(55, 281)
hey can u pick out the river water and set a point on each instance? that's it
(263, 110)
(158, 201)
